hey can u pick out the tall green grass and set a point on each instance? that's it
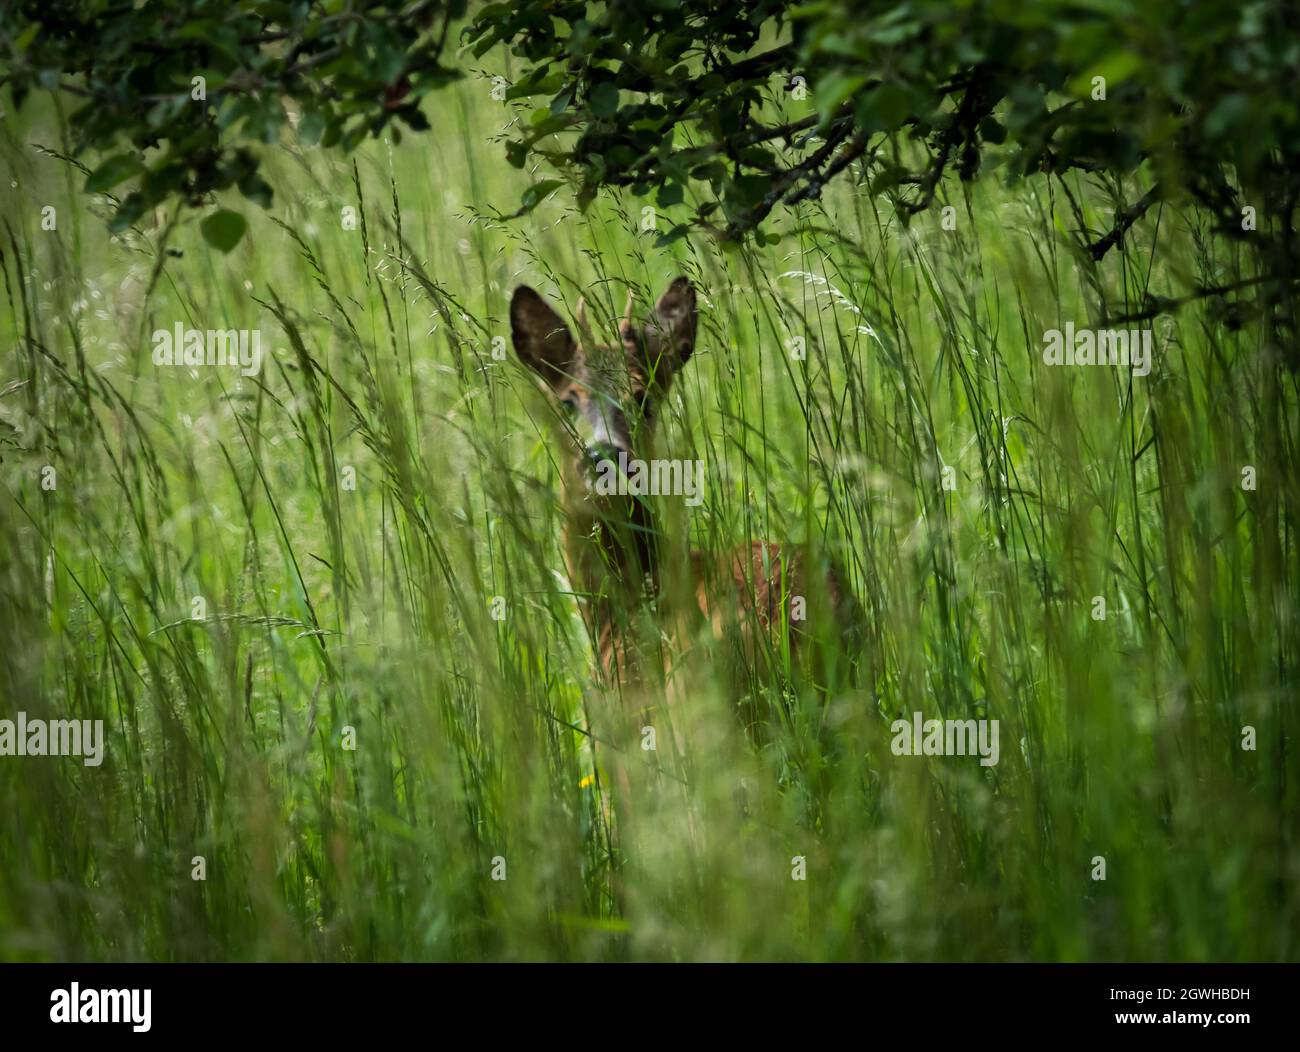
(370, 608)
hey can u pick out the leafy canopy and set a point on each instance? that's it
(176, 94)
(723, 109)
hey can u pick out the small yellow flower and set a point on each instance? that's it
(587, 782)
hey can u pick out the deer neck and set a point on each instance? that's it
(612, 549)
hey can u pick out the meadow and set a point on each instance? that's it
(279, 591)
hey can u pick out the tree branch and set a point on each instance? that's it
(1123, 221)
(1157, 305)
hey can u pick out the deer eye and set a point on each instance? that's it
(569, 404)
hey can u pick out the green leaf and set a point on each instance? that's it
(1115, 68)
(603, 99)
(883, 109)
(992, 131)
(748, 190)
(127, 213)
(26, 37)
(528, 87)
(222, 230)
(670, 194)
(311, 126)
(536, 193)
(112, 172)
(833, 89)
(675, 234)
(256, 189)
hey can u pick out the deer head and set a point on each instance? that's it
(606, 394)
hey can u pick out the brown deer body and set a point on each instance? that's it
(622, 565)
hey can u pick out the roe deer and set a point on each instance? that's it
(614, 553)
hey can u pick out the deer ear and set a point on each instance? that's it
(668, 337)
(541, 338)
